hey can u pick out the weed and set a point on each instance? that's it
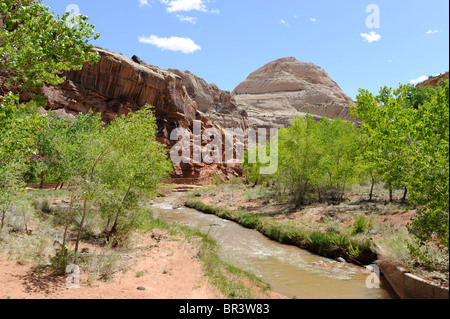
(45, 207)
(216, 179)
(141, 273)
(361, 225)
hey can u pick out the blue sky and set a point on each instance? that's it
(223, 41)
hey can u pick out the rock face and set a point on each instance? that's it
(118, 85)
(274, 94)
(270, 97)
(434, 80)
(216, 104)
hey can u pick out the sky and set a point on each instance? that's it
(360, 44)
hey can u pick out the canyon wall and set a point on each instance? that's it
(270, 97)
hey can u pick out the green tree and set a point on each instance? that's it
(35, 46)
(252, 165)
(383, 118)
(79, 147)
(339, 160)
(317, 160)
(17, 132)
(135, 166)
(428, 171)
(407, 136)
(299, 153)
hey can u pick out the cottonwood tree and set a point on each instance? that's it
(317, 160)
(339, 160)
(133, 168)
(17, 132)
(407, 135)
(74, 149)
(35, 48)
(382, 117)
(112, 166)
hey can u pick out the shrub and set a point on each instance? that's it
(361, 225)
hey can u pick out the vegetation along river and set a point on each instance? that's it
(289, 270)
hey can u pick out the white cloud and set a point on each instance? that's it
(184, 5)
(432, 31)
(419, 79)
(185, 45)
(183, 18)
(282, 21)
(371, 37)
(143, 3)
(313, 19)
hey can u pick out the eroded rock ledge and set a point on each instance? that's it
(118, 85)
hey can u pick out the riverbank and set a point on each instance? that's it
(160, 261)
(352, 231)
(165, 269)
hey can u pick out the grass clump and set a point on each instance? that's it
(362, 224)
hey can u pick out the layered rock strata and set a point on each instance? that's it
(282, 89)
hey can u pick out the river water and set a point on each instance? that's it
(289, 270)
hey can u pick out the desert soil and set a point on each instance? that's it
(168, 269)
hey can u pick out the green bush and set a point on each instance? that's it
(360, 225)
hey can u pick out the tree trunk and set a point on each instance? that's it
(107, 226)
(41, 184)
(69, 218)
(391, 194)
(113, 231)
(3, 218)
(57, 185)
(405, 195)
(371, 188)
(81, 226)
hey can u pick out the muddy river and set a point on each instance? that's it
(289, 270)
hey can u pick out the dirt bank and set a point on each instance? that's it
(167, 269)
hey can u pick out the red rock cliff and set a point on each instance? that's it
(118, 85)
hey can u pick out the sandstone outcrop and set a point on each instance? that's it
(118, 85)
(434, 80)
(216, 104)
(270, 97)
(275, 93)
